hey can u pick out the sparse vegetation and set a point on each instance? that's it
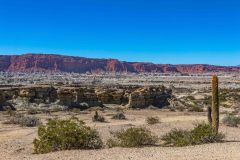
(98, 118)
(14, 119)
(172, 109)
(119, 109)
(66, 135)
(132, 137)
(223, 96)
(152, 120)
(24, 121)
(30, 121)
(119, 116)
(10, 112)
(57, 109)
(195, 108)
(32, 111)
(202, 133)
(46, 111)
(75, 110)
(231, 120)
(190, 98)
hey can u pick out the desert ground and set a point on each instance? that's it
(136, 95)
(16, 142)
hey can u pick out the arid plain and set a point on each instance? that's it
(187, 100)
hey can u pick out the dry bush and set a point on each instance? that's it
(76, 110)
(195, 108)
(152, 120)
(119, 116)
(231, 120)
(10, 112)
(30, 121)
(98, 118)
(24, 121)
(32, 111)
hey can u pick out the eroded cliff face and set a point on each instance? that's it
(155, 96)
(85, 97)
(75, 97)
(58, 63)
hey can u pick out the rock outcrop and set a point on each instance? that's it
(85, 97)
(38, 94)
(112, 96)
(58, 63)
(75, 97)
(155, 96)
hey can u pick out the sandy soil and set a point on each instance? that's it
(16, 142)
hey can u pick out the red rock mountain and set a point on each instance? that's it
(59, 63)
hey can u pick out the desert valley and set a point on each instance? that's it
(115, 99)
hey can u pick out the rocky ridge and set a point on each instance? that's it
(59, 63)
(83, 97)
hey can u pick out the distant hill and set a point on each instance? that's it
(59, 63)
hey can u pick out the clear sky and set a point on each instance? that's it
(159, 31)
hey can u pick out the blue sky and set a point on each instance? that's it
(159, 31)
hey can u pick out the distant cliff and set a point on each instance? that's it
(59, 63)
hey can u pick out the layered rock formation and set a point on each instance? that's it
(156, 96)
(74, 97)
(85, 97)
(112, 96)
(58, 63)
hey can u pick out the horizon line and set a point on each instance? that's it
(60, 54)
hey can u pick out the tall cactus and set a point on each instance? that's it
(215, 104)
(209, 115)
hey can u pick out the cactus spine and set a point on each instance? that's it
(215, 104)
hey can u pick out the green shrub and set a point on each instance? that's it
(69, 134)
(132, 137)
(152, 120)
(98, 118)
(202, 133)
(119, 116)
(231, 121)
(177, 137)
